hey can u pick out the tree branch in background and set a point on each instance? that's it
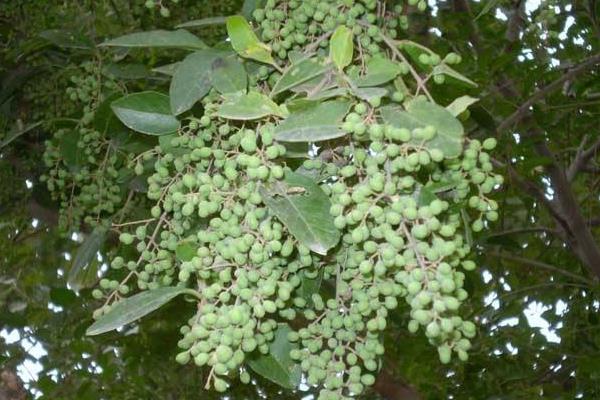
(539, 264)
(539, 95)
(563, 205)
(391, 388)
(582, 157)
(11, 386)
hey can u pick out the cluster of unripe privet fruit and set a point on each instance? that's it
(85, 167)
(209, 226)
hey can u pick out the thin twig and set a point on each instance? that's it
(539, 264)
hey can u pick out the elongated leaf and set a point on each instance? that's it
(310, 285)
(341, 47)
(328, 94)
(452, 73)
(303, 208)
(489, 5)
(158, 38)
(70, 152)
(191, 80)
(133, 308)
(249, 106)
(299, 73)
(420, 113)
(228, 74)
(198, 23)
(250, 5)
(414, 51)
(277, 365)
(370, 93)
(379, 71)
(127, 71)
(15, 134)
(146, 112)
(321, 121)
(105, 120)
(424, 196)
(67, 39)
(459, 105)
(86, 254)
(167, 69)
(245, 42)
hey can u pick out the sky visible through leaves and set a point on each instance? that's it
(28, 371)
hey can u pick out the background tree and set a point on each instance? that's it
(536, 66)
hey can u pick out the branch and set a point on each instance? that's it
(593, 221)
(392, 389)
(539, 264)
(525, 108)
(462, 6)
(532, 229)
(11, 386)
(534, 191)
(514, 25)
(582, 157)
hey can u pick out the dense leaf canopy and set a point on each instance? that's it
(102, 84)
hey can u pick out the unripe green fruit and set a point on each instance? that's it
(489, 144)
(445, 354)
(126, 238)
(220, 385)
(201, 359)
(223, 353)
(183, 357)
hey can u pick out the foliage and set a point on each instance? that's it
(311, 190)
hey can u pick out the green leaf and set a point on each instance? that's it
(341, 47)
(370, 93)
(62, 297)
(70, 152)
(303, 208)
(467, 226)
(452, 73)
(134, 308)
(414, 50)
(425, 196)
(298, 73)
(15, 134)
(86, 253)
(191, 81)
(459, 105)
(185, 251)
(379, 71)
(198, 23)
(310, 285)
(245, 42)
(146, 112)
(67, 39)
(159, 38)
(167, 69)
(319, 121)
(228, 74)
(443, 185)
(105, 120)
(252, 105)
(277, 365)
(250, 5)
(329, 93)
(420, 113)
(489, 5)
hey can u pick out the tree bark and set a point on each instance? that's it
(11, 386)
(391, 388)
